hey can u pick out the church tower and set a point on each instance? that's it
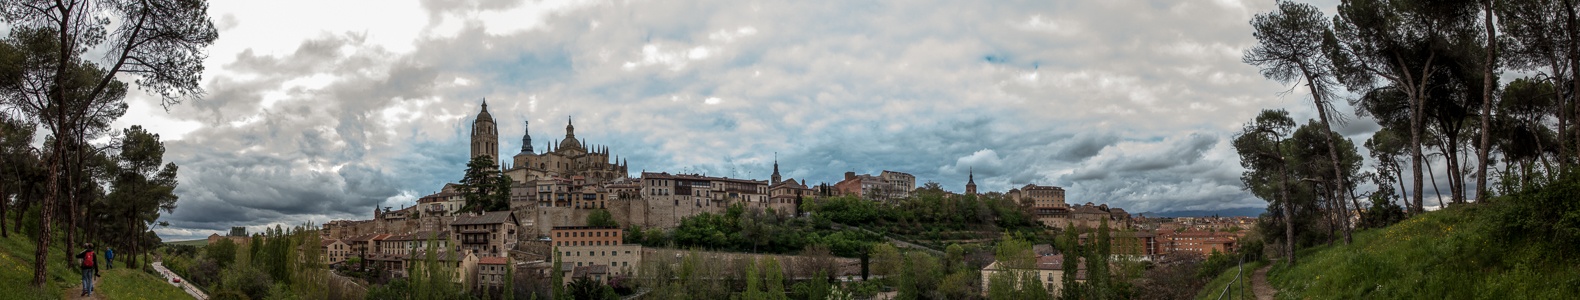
(485, 135)
(775, 177)
(971, 183)
(526, 138)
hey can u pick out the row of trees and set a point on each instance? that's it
(750, 230)
(278, 263)
(47, 79)
(1428, 73)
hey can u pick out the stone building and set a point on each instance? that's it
(334, 251)
(491, 271)
(566, 158)
(595, 252)
(1049, 270)
(887, 186)
(786, 196)
(490, 234)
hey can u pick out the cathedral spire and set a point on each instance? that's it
(971, 182)
(570, 129)
(526, 137)
(775, 176)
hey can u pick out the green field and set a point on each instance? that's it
(16, 270)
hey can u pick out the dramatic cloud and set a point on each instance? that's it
(316, 116)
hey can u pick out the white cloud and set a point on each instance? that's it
(1121, 102)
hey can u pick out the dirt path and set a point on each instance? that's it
(1259, 285)
(76, 292)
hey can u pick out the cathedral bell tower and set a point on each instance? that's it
(485, 135)
(971, 183)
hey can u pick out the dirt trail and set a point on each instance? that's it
(1259, 285)
(76, 292)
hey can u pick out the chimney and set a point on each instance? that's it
(850, 175)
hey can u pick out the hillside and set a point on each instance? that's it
(16, 261)
(1514, 247)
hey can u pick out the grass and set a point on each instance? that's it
(122, 283)
(1214, 289)
(1448, 254)
(16, 272)
(16, 269)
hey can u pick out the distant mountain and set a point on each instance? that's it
(1231, 212)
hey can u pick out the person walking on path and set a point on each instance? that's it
(109, 258)
(89, 268)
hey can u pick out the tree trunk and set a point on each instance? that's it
(1399, 176)
(1439, 195)
(1417, 102)
(1289, 215)
(4, 198)
(1328, 136)
(1486, 104)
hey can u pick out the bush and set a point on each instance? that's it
(248, 280)
(1547, 213)
(203, 272)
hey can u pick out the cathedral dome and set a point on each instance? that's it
(570, 142)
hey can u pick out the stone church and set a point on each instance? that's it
(567, 158)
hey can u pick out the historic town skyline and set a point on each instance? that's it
(322, 116)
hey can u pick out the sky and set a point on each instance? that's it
(323, 110)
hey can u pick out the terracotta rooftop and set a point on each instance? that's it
(493, 260)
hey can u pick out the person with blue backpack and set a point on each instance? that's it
(109, 257)
(89, 268)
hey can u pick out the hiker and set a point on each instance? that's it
(109, 258)
(89, 268)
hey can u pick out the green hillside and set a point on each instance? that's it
(1514, 247)
(16, 261)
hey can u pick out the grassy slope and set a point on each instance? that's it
(1448, 254)
(16, 261)
(1214, 289)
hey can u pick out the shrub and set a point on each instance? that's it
(203, 272)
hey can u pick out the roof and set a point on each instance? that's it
(697, 177)
(493, 217)
(583, 271)
(583, 227)
(1041, 187)
(326, 243)
(420, 236)
(493, 260)
(789, 183)
(442, 256)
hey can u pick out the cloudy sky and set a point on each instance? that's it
(322, 110)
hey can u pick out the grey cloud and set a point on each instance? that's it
(1059, 92)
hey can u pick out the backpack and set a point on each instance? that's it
(87, 260)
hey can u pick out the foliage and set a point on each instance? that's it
(733, 231)
(222, 252)
(143, 187)
(816, 288)
(586, 288)
(1382, 213)
(601, 218)
(1173, 276)
(1240, 289)
(484, 187)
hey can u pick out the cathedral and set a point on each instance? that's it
(567, 158)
